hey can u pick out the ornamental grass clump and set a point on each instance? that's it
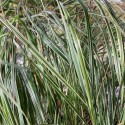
(62, 62)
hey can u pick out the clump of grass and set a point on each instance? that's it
(61, 62)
